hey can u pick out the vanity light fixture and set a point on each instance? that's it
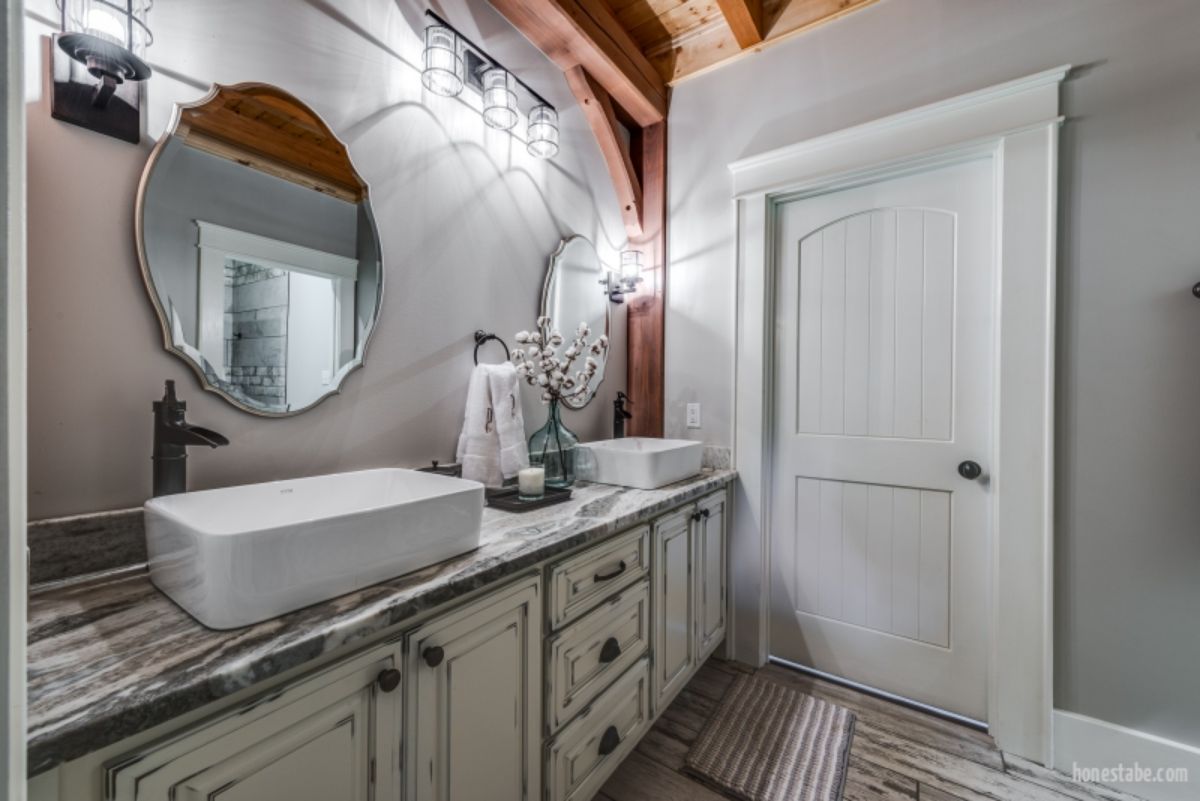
(542, 135)
(617, 286)
(443, 64)
(98, 65)
(452, 62)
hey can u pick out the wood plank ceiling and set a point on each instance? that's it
(682, 38)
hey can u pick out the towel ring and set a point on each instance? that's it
(482, 336)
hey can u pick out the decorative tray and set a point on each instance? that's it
(508, 499)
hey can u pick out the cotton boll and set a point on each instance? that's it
(542, 380)
(534, 352)
(583, 330)
(535, 337)
(518, 355)
(522, 336)
(556, 339)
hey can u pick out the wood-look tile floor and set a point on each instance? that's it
(898, 753)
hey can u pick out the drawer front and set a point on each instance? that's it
(585, 753)
(582, 581)
(585, 657)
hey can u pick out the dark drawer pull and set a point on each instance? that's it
(433, 655)
(706, 513)
(609, 741)
(610, 650)
(388, 679)
(610, 576)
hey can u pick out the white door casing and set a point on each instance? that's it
(883, 366)
(1016, 125)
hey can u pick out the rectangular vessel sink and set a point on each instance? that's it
(240, 555)
(641, 462)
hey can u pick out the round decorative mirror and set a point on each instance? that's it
(259, 250)
(574, 294)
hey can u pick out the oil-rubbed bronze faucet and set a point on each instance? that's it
(620, 414)
(172, 435)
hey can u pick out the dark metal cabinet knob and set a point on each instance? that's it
(705, 513)
(610, 650)
(433, 655)
(609, 741)
(970, 470)
(618, 570)
(1196, 290)
(388, 680)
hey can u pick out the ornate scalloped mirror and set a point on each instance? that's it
(574, 294)
(259, 250)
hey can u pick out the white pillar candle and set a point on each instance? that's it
(531, 482)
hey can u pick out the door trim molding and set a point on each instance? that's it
(1016, 125)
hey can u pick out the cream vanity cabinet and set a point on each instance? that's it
(689, 592)
(333, 735)
(474, 710)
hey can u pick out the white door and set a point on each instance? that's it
(883, 365)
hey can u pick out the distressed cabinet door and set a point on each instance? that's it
(334, 736)
(674, 604)
(475, 701)
(709, 575)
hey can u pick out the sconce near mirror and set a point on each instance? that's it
(259, 250)
(617, 286)
(569, 297)
(97, 64)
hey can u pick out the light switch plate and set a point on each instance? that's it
(693, 415)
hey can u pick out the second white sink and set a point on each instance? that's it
(640, 462)
(240, 555)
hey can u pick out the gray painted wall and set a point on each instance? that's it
(1128, 494)
(467, 221)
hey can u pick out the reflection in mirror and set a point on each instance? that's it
(259, 249)
(572, 295)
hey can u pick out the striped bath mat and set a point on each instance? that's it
(768, 742)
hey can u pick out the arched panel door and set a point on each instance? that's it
(883, 372)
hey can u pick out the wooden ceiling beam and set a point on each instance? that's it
(585, 33)
(601, 117)
(745, 19)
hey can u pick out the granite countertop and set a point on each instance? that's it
(112, 657)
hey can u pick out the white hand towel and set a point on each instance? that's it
(509, 421)
(479, 445)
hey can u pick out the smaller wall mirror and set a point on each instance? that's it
(574, 294)
(259, 250)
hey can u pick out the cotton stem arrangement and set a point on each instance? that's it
(539, 361)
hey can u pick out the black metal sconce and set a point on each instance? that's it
(98, 65)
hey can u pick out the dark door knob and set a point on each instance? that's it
(609, 741)
(433, 655)
(388, 680)
(970, 470)
(610, 650)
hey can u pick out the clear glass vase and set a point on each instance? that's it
(552, 447)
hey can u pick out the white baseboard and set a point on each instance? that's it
(1084, 742)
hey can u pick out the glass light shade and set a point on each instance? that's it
(542, 138)
(499, 99)
(631, 264)
(443, 66)
(109, 36)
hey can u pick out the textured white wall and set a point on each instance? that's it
(467, 220)
(1128, 541)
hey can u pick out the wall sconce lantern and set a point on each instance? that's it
(452, 62)
(618, 286)
(98, 65)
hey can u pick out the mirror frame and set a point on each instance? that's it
(139, 218)
(574, 404)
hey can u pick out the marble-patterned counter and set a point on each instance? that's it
(112, 657)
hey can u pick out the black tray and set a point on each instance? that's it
(509, 499)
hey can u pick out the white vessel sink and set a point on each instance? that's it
(641, 462)
(236, 556)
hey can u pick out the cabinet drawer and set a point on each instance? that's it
(587, 655)
(582, 581)
(587, 751)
